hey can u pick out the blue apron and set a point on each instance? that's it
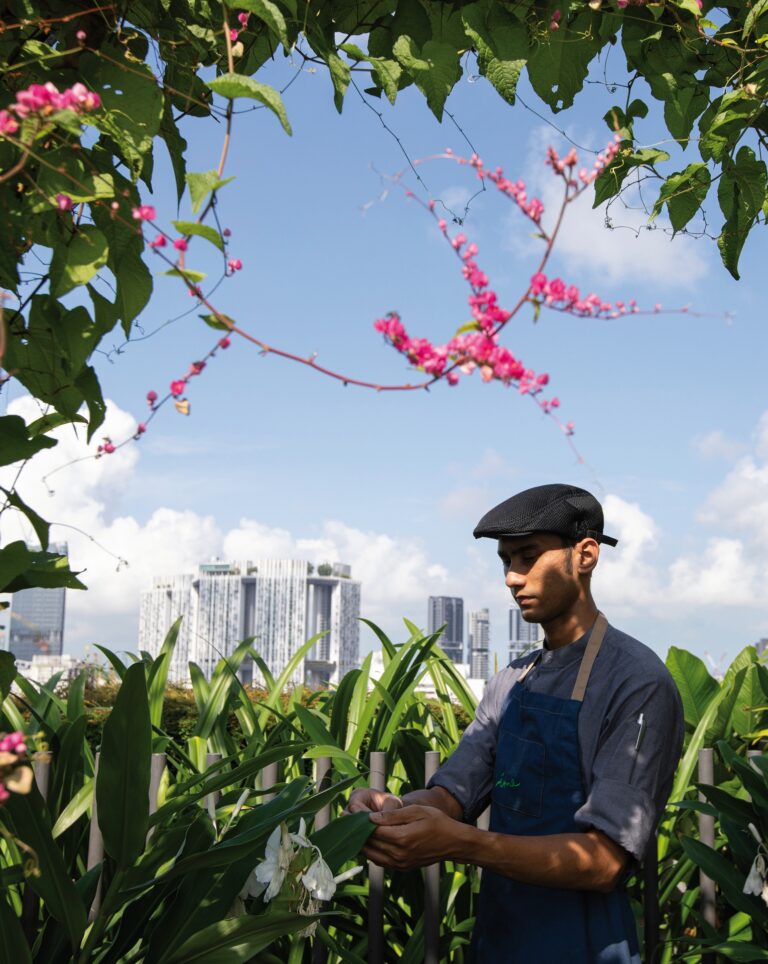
(537, 790)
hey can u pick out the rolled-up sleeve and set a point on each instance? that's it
(632, 772)
(468, 773)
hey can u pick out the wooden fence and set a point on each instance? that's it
(431, 875)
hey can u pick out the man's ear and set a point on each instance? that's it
(587, 554)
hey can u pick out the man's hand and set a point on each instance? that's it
(413, 836)
(365, 799)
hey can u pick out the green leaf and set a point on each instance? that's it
(54, 886)
(22, 569)
(76, 263)
(727, 877)
(236, 85)
(501, 41)
(7, 672)
(343, 839)
(47, 423)
(17, 442)
(186, 274)
(696, 686)
(239, 938)
(270, 14)
(609, 183)
(13, 944)
(122, 784)
(176, 144)
(41, 527)
(201, 185)
(188, 228)
(435, 69)
(740, 951)
(558, 65)
(215, 322)
(683, 193)
(741, 193)
(757, 10)
(159, 674)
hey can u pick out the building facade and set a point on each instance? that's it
(278, 603)
(448, 611)
(36, 625)
(479, 643)
(523, 636)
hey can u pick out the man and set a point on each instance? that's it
(575, 747)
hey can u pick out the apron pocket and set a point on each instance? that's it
(518, 780)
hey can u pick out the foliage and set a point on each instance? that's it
(74, 163)
(172, 883)
(732, 715)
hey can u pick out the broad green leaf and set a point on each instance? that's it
(239, 938)
(342, 839)
(17, 442)
(739, 951)
(501, 41)
(236, 85)
(32, 825)
(76, 263)
(7, 672)
(40, 526)
(77, 806)
(187, 274)
(200, 230)
(47, 423)
(270, 14)
(13, 944)
(683, 193)
(122, 784)
(435, 69)
(558, 64)
(201, 185)
(757, 10)
(159, 674)
(696, 686)
(45, 570)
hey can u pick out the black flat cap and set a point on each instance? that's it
(565, 510)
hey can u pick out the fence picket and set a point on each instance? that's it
(706, 774)
(378, 781)
(431, 882)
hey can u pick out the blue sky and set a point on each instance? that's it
(275, 458)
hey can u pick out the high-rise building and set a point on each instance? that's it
(280, 603)
(479, 642)
(448, 611)
(523, 636)
(37, 619)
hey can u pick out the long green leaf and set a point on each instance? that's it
(693, 681)
(13, 946)
(343, 839)
(159, 673)
(77, 806)
(238, 939)
(727, 877)
(122, 784)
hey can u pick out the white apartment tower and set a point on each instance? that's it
(479, 643)
(280, 603)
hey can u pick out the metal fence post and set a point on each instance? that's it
(651, 914)
(322, 782)
(212, 799)
(268, 779)
(706, 774)
(95, 842)
(431, 882)
(378, 780)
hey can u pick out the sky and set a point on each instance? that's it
(276, 460)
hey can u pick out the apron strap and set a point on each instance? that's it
(588, 659)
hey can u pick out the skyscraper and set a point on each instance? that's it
(523, 636)
(37, 619)
(448, 611)
(281, 603)
(479, 642)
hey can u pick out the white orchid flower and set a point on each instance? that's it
(277, 859)
(319, 879)
(756, 878)
(301, 838)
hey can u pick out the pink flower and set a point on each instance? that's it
(196, 367)
(8, 124)
(144, 212)
(243, 18)
(151, 397)
(234, 264)
(452, 378)
(538, 283)
(233, 35)
(141, 428)
(64, 202)
(178, 386)
(180, 244)
(225, 342)
(158, 242)
(81, 35)
(109, 448)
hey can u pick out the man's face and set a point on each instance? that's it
(540, 574)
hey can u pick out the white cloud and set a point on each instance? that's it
(716, 445)
(724, 575)
(625, 580)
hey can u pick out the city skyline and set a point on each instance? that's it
(35, 620)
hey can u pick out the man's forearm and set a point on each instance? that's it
(435, 797)
(578, 861)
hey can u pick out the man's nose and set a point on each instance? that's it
(514, 580)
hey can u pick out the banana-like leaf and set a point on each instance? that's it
(238, 939)
(343, 839)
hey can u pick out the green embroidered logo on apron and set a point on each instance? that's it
(505, 784)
